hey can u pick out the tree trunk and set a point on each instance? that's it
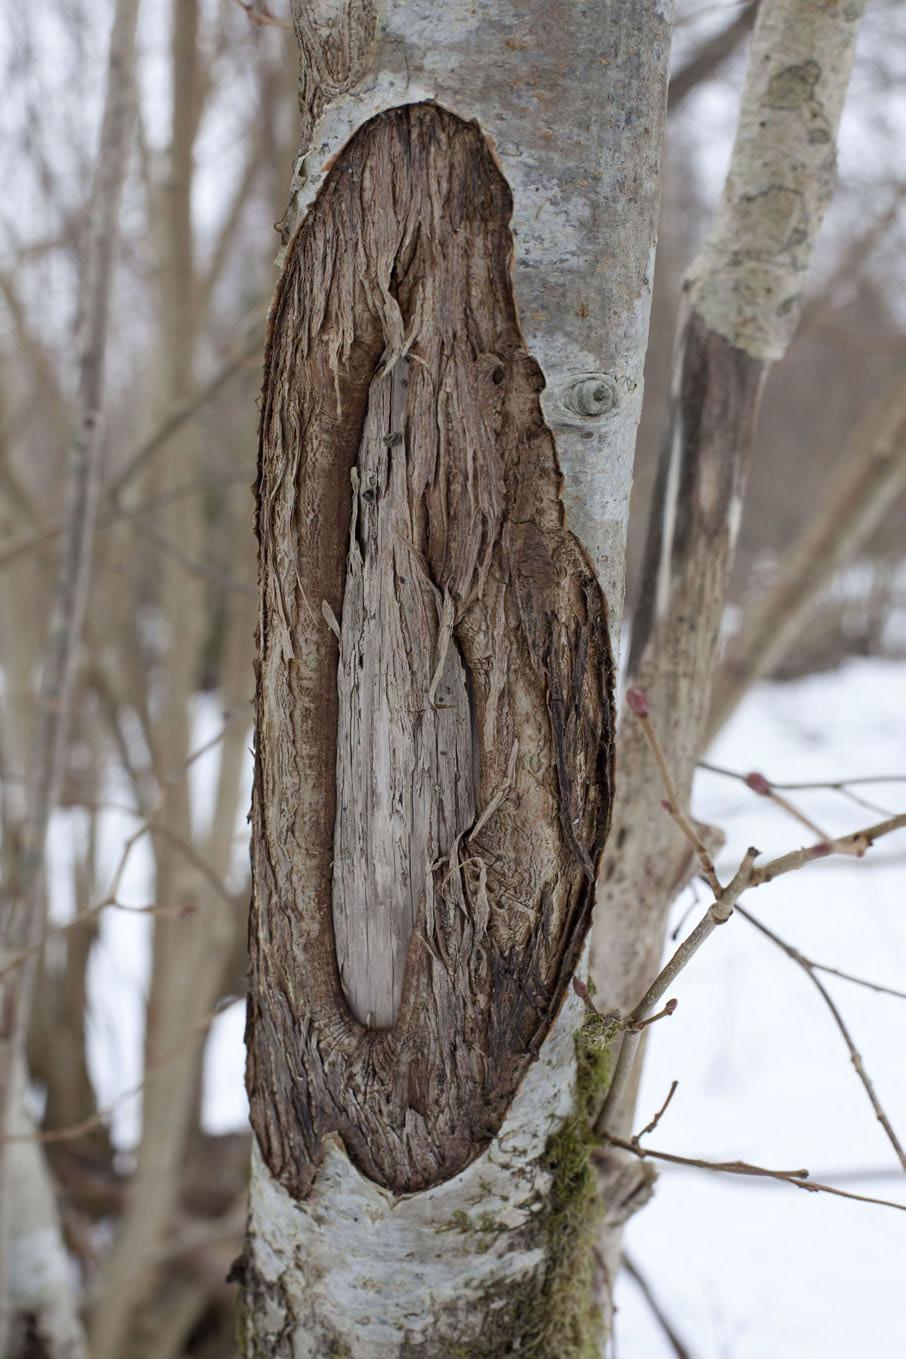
(468, 274)
(743, 298)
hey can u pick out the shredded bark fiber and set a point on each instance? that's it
(434, 757)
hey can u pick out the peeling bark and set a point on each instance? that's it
(445, 780)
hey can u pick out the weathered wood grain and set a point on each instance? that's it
(434, 714)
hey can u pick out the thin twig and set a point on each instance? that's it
(171, 425)
(172, 549)
(696, 901)
(836, 786)
(639, 1024)
(638, 704)
(73, 1131)
(106, 519)
(680, 1349)
(859, 981)
(762, 785)
(718, 913)
(864, 802)
(855, 1056)
(85, 917)
(855, 844)
(797, 1178)
(149, 825)
(140, 455)
(792, 810)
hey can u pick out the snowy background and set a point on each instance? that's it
(745, 1268)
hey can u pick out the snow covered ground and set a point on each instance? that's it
(745, 1269)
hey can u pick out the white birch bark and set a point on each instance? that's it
(572, 99)
(42, 1278)
(355, 1270)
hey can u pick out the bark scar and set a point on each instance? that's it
(434, 762)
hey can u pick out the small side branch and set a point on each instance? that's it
(719, 912)
(799, 1179)
(809, 969)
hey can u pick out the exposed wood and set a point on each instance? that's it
(449, 789)
(584, 172)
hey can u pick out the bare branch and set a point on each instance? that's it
(836, 785)
(140, 456)
(680, 1349)
(797, 1178)
(855, 1056)
(650, 1127)
(718, 913)
(171, 549)
(707, 59)
(843, 787)
(638, 704)
(760, 785)
(872, 472)
(854, 844)
(74, 1131)
(859, 981)
(185, 410)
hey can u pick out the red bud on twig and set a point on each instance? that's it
(638, 702)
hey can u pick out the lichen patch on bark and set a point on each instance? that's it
(748, 280)
(434, 713)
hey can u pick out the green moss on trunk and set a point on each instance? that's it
(554, 1314)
